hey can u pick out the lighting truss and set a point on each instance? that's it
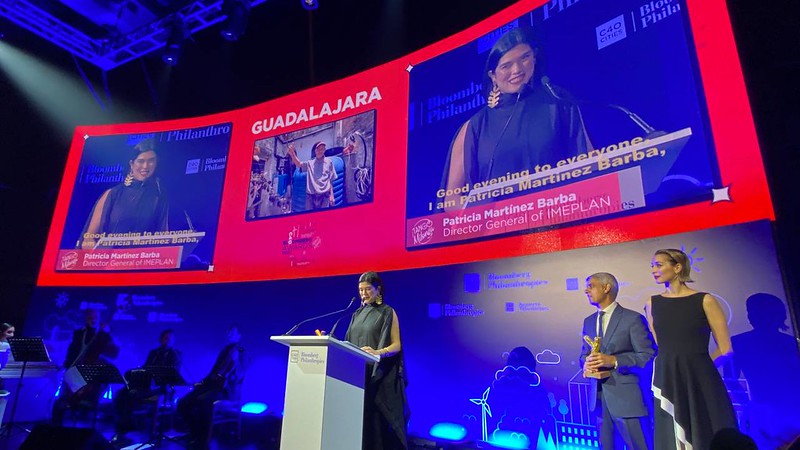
(110, 53)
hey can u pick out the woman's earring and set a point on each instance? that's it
(494, 96)
(129, 179)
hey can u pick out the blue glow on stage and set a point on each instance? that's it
(509, 439)
(448, 431)
(254, 408)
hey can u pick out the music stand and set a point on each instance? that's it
(166, 377)
(25, 350)
(99, 374)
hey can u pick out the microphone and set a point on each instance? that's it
(294, 328)
(335, 324)
(552, 91)
(649, 131)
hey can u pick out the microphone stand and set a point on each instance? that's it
(649, 131)
(335, 324)
(294, 328)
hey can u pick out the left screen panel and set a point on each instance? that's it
(146, 201)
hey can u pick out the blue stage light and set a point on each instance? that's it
(174, 45)
(448, 431)
(310, 4)
(254, 408)
(237, 14)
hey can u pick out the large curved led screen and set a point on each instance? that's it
(546, 127)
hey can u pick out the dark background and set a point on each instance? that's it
(287, 49)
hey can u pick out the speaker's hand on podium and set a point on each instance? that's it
(370, 350)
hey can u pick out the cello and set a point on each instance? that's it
(100, 349)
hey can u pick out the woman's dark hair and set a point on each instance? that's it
(145, 145)
(373, 279)
(506, 42)
(5, 326)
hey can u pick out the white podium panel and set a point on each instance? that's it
(324, 401)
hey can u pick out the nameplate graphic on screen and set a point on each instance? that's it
(152, 258)
(603, 195)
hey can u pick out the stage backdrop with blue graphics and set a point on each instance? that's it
(673, 62)
(461, 325)
(597, 56)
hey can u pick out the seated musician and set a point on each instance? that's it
(6, 331)
(223, 382)
(126, 399)
(91, 344)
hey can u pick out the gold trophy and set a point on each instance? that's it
(594, 345)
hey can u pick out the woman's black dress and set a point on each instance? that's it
(385, 406)
(691, 400)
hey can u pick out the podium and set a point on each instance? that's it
(324, 403)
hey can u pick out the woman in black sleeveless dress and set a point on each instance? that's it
(692, 403)
(375, 328)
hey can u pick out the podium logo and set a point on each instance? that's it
(611, 32)
(472, 283)
(294, 356)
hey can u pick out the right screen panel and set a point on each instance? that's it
(561, 116)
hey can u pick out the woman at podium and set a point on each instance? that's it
(375, 328)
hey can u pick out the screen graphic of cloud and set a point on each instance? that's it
(512, 375)
(548, 357)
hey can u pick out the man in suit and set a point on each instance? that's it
(626, 352)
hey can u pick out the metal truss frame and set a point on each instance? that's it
(110, 53)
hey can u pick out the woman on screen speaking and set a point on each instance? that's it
(136, 205)
(524, 123)
(375, 328)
